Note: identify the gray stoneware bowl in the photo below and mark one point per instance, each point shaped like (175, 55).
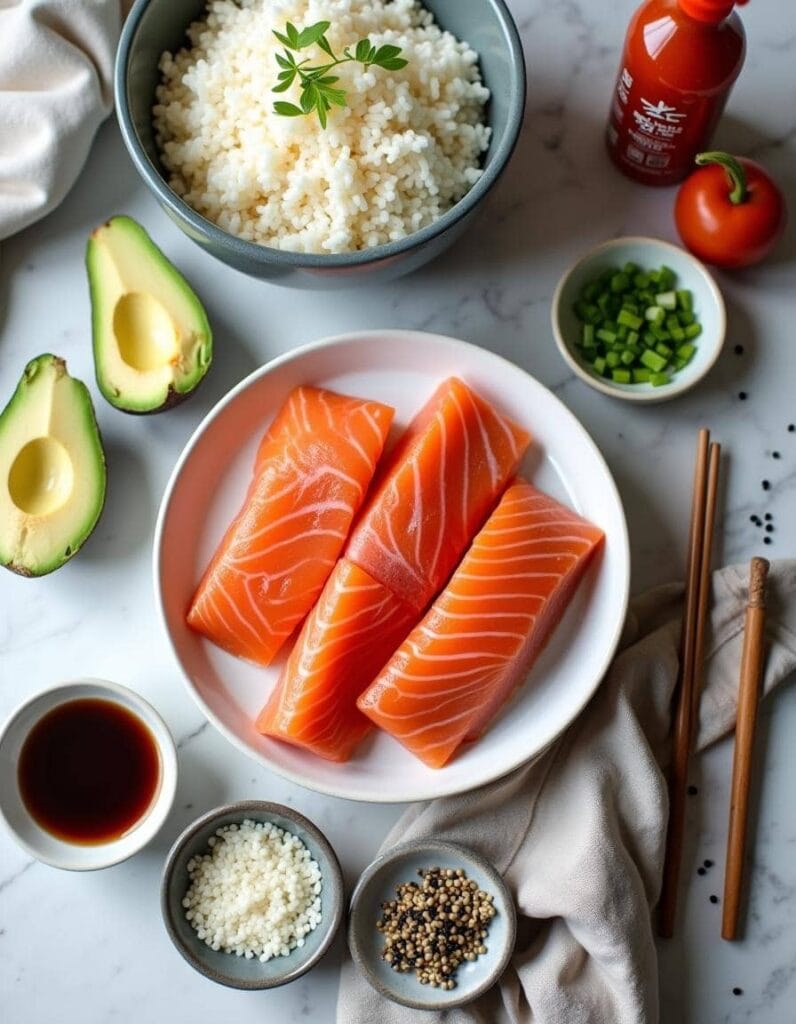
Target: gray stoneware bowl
(226, 968)
(157, 25)
(377, 885)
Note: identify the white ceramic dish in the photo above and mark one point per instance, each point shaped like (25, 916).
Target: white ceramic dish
(401, 368)
(649, 253)
(49, 848)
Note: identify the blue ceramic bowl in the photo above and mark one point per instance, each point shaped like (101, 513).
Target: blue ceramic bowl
(157, 25)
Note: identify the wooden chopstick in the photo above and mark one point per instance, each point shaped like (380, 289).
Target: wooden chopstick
(746, 721)
(683, 727)
(711, 498)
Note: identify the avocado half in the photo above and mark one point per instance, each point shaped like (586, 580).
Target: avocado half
(52, 469)
(152, 340)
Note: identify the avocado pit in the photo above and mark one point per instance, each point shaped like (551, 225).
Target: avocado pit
(41, 477)
(145, 332)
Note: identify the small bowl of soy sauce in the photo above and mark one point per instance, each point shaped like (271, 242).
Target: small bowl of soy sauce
(88, 772)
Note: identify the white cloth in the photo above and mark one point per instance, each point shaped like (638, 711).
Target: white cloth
(579, 834)
(56, 72)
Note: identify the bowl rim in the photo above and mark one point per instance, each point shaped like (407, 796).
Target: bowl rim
(496, 880)
(160, 808)
(200, 228)
(676, 387)
(331, 872)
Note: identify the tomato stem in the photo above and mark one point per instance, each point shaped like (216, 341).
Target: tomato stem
(735, 173)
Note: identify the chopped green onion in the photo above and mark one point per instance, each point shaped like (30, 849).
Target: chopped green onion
(685, 300)
(637, 327)
(686, 352)
(653, 361)
(628, 319)
(655, 315)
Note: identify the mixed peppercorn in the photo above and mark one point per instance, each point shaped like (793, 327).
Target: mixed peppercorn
(433, 927)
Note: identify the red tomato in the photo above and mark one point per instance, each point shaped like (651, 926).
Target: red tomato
(729, 212)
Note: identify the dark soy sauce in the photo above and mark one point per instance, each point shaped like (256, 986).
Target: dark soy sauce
(88, 771)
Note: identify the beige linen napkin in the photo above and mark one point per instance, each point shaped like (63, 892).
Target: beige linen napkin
(56, 69)
(579, 833)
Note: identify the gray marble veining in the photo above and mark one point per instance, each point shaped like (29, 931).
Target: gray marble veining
(91, 949)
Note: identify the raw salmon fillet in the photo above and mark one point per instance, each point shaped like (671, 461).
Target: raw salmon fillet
(350, 633)
(480, 637)
(444, 477)
(311, 474)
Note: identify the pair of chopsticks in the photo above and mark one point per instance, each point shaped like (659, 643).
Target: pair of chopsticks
(700, 550)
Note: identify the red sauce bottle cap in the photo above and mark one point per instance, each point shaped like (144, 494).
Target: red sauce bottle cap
(712, 11)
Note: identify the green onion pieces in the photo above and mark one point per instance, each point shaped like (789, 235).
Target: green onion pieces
(637, 327)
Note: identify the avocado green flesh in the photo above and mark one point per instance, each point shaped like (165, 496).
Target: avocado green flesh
(52, 469)
(152, 340)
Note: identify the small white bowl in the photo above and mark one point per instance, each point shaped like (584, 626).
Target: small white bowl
(28, 833)
(648, 253)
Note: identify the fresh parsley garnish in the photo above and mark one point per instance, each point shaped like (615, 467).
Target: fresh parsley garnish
(318, 90)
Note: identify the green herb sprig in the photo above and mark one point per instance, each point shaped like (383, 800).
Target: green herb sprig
(318, 90)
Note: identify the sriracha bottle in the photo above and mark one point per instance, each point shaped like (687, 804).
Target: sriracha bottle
(680, 60)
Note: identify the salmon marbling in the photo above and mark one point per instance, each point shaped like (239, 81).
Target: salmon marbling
(479, 639)
(311, 475)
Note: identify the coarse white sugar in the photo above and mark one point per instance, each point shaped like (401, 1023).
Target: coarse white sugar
(257, 892)
(404, 149)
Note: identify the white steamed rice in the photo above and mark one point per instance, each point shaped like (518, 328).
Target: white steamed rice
(406, 147)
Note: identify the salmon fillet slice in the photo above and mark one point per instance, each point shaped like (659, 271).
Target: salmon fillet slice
(311, 474)
(349, 635)
(442, 481)
(483, 633)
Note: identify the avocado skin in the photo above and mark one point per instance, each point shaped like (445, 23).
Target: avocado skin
(121, 222)
(173, 399)
(32, 368)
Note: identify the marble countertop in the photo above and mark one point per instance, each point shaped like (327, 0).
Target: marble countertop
(91, 948)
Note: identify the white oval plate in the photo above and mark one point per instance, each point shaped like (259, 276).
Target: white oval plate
(401, 368)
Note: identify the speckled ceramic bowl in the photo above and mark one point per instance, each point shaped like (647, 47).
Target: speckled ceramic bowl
(377, 885)
(226, 968)
(157, 25)
(648, 253)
